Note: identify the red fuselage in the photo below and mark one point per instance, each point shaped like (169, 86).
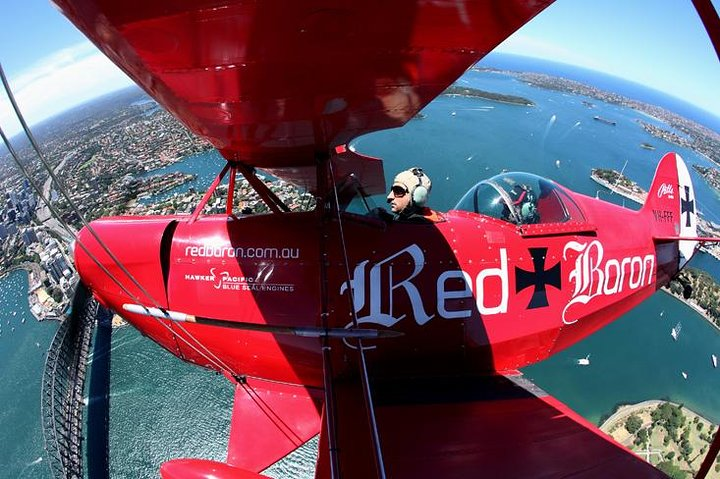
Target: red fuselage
(471, 294)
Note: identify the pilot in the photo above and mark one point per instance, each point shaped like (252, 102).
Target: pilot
(524, 201)
(408, 197)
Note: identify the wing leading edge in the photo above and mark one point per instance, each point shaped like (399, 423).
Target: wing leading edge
(272, 83)
(473, 427)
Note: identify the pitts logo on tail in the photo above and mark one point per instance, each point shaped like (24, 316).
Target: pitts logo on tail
(369, 286)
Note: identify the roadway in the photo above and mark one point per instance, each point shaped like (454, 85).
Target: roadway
(43, 213)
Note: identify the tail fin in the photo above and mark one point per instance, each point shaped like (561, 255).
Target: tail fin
(671, 203)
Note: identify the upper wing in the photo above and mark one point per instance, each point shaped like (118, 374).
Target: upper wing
(273, 82)
(459, 428)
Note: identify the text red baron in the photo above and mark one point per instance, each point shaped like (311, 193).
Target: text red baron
(592, 277)
(381, 274)
(252, 252)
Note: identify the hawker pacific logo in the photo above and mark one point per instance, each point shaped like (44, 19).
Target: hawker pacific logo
(226, 281)
(376, 289)
(592, 277)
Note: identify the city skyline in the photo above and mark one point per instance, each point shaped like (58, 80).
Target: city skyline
(48, 60)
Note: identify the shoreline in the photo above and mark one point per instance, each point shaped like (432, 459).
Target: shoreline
(624, 410)
(659, 445)
(693, 306)
(618, 190)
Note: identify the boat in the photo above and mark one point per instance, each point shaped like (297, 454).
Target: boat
(584, 361)
(647, 146)
(676, 331)
(684, 374)
(604, 120)
(714, 360)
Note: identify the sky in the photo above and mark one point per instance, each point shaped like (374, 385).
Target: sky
(662, 44)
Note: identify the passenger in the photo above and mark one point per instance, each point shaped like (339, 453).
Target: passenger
(524, 200)
(408, 197)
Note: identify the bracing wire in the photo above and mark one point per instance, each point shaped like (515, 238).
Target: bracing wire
(208, 355)
(112, 277)
(363, 363)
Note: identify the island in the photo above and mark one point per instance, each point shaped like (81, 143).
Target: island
(619, 183)
(671, 437)
(486, 95)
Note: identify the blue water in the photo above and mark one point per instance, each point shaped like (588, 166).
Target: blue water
(205, 165)
(162, 408)
(23, 348)
(603, 81)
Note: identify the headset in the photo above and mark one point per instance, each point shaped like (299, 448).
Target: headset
(419, 193)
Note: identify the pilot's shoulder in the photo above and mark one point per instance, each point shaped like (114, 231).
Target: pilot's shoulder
(433, 216)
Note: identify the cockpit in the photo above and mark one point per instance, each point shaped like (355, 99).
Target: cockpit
(522, 199)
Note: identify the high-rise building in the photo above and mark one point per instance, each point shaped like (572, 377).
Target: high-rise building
(29, 237)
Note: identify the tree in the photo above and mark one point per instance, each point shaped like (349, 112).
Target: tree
(633, 423)
(672, 470)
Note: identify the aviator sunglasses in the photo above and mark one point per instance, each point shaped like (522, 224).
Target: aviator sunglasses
(398, 191)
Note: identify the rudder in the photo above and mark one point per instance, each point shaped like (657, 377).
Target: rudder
(671, 203)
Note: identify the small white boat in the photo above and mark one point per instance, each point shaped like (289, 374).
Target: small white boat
(662, 313)
(676, 331)
(684, 374)
(584, 361)
(714, 360)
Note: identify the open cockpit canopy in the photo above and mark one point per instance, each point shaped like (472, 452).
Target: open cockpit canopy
(521, 198)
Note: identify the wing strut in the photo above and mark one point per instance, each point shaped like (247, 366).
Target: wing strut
(367, 393)
(710, 19)
(330, 408)
(709, 457)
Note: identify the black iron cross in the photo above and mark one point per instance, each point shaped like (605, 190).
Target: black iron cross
(538, 278)
(687, 206)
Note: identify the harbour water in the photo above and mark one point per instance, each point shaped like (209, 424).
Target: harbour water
(162, 408)
(23, 347)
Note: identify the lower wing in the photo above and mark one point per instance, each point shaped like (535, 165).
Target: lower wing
(500, 426)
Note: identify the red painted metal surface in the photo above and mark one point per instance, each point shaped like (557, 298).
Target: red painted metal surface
(459, 428)
(472, 295)
(269, 421)
(204, 469)
(274, 82)
(468, 290)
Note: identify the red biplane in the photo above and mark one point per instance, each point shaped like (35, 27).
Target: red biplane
(399, 344)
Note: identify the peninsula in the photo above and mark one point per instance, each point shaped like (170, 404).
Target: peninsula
(667, 435)
(704, 293)
(619, 183)
(710, 175)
